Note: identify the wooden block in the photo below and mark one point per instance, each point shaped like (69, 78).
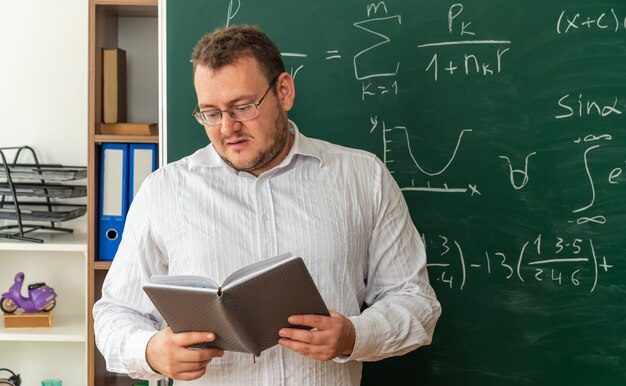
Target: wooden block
(129, 128)
(24, 320)
(98, 86)
(114, 85)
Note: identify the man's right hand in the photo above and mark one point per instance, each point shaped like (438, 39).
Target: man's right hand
(167, 354)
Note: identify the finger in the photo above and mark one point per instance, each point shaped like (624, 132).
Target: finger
(195, 366)
(193, 355)
(185, 339)
(306, 336)
(190, 375)
(302, 348)
(189, 367)
(191, 370)
(308, 350)
(314, 321)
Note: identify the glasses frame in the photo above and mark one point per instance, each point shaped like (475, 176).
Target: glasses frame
(198, 113)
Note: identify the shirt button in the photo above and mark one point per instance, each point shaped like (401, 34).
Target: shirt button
(273, 354)
(264, 218)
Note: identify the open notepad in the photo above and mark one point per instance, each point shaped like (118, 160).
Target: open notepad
(247, 310)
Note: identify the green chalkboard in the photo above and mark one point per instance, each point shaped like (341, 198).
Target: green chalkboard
(504, 124)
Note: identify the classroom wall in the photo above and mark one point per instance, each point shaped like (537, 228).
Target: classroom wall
(43, 80)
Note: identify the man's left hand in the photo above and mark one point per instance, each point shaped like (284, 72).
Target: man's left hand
(328, 337)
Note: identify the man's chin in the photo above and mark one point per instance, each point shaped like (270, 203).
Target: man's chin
(241, 166)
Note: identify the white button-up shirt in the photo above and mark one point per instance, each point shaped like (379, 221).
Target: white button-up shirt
(337, 208)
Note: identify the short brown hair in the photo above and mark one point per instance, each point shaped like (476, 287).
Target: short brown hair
(226, 45)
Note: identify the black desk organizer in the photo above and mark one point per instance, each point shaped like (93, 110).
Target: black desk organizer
(42, 181)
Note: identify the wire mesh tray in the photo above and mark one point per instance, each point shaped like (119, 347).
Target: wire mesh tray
(35, 211)
(45, 172)
(44, 190)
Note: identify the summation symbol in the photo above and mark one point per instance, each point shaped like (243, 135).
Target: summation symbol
(384, 39)
(368, 67)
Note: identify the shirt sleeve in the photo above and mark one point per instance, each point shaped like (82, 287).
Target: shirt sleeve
(402, 307)
(124, 318)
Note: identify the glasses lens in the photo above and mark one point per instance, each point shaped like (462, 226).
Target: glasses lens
(212, 117)
(238, 113)
(200, 118)
(243, 112)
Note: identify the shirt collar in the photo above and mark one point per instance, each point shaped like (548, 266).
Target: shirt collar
(303, 146)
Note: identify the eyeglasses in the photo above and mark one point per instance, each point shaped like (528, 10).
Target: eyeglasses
(239, 113)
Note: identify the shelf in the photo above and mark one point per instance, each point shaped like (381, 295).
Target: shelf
(102, 265)
(101, 138)
(46, 172)
(127, 3)
(64, 329)
(52, 242)
(132, 8)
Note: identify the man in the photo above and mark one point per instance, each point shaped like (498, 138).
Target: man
(260, 189)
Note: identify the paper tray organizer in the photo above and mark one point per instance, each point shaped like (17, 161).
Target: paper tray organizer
(19, 180)
(44, 190)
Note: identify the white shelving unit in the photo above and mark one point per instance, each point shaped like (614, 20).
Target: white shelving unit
(65, 329)
(59, 351)
(53, 242)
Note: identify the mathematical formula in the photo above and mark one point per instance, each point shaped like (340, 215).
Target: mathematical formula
(560, 261)
(570, 22)
(486, 63)
(464, 53)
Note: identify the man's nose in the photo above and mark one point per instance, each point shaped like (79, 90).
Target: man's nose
(229, 124)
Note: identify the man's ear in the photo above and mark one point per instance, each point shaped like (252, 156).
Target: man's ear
(285, 91)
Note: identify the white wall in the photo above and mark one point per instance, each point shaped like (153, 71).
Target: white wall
(43, 80)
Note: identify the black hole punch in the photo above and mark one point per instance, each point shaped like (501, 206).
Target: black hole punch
(111, 234)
